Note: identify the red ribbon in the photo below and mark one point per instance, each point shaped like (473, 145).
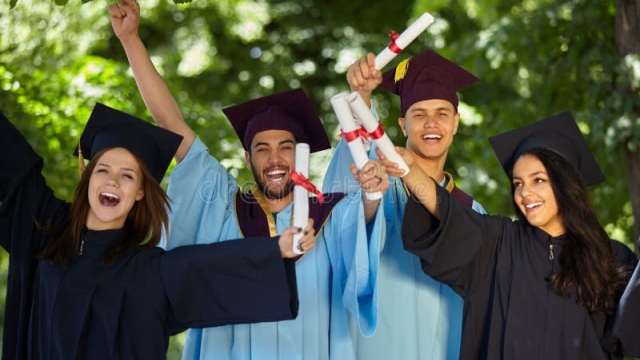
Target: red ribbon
(301, 180)
(363, 133)
(393, 47)
(355, 134)
(377, 133)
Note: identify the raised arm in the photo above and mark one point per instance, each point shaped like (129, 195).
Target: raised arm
(125, 19)
(25, 198)
(363, 77)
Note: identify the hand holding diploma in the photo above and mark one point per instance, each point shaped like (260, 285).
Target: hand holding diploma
(372, 177)
(363, 77)
(352, 136)
(301, 189)
(363, 113)
(306, 240)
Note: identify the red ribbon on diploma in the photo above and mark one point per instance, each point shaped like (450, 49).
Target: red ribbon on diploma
(301, 180)
(355, 134)
(393, 47)
(377, 133)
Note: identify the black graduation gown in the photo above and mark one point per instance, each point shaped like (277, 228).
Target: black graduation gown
(625, 336)
(500, 267)
(126, 309)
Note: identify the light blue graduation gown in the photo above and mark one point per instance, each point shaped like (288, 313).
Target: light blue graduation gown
(419, 318)
(337, 276)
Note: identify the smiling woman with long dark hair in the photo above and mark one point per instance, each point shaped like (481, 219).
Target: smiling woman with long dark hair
(86, 280)
(543, 287)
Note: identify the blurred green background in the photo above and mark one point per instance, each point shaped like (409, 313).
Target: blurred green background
(535, 58)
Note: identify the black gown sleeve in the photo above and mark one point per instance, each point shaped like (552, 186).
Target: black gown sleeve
(228, 282)
(460, 249)
(24, 195)
(25, 199)
(624, 337)
(623, 256)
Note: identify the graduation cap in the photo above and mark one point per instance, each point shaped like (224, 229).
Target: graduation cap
(558, 133)
(424, 77)
(108, 127)
(290, 110)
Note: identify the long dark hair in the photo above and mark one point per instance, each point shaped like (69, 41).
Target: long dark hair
(587, 263)
(145, 221)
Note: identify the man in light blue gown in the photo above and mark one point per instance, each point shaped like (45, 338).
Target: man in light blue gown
(418, 317)
(336, 277)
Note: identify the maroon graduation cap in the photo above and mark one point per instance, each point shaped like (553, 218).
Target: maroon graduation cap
(424, 77)
(291, 110)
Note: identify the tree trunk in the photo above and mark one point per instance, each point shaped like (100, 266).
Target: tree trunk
(628, 42)
(628, 26)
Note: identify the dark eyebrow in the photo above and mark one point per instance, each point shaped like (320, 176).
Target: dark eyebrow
(264, 143)
(288, 141)
(109, 166)
(441, 108)
(530, 175)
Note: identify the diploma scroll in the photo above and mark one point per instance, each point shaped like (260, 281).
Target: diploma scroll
(300, 195)
(373, 127)
(401, 41)
(350, 130)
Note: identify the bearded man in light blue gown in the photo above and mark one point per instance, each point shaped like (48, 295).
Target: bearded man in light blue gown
(335, 278)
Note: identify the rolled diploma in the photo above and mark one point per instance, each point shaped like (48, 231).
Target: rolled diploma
(356, 147)
(362, 112)
(404, 39)
(300, 195)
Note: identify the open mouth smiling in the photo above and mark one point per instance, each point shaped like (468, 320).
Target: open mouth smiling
(108, 199)
(276, 175)
(533, 205)
(432, 137)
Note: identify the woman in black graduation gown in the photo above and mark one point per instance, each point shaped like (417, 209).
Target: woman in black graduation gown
(542, 287)
(86, 280)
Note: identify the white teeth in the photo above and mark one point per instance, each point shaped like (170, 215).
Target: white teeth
(276, 175)
(432, 137)
(110, 195)
(531, 206)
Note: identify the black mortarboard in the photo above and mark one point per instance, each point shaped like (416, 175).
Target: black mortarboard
(290, 110)
(108, 127)
(559, 133)
(424, 77)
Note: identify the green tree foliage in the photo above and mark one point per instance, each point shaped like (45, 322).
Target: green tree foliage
(535, 59)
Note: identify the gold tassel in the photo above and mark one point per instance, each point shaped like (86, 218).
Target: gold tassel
(80, 159)
(401, 70)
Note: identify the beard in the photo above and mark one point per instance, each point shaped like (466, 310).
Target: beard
(273, 194)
